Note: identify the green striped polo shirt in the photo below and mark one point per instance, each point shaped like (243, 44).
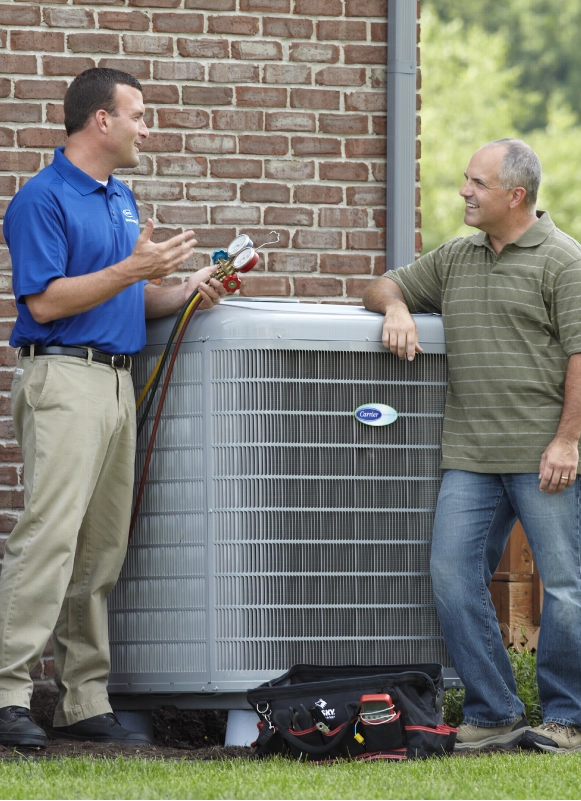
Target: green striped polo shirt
(511, 322)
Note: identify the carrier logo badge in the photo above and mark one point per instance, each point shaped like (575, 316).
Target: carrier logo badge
(375, 414)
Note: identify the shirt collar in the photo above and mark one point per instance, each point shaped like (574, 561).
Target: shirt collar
(532, 237)
(78, 179)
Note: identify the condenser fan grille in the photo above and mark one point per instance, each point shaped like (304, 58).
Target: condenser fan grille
(305, 534)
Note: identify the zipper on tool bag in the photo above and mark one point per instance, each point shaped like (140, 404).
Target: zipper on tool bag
(297, 690)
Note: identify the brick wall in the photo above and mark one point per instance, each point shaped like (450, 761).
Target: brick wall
(264, 114)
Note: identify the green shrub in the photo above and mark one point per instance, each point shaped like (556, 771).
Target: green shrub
(524, 667)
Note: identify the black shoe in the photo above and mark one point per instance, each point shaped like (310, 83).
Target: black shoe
(101, 729)
(18, 728)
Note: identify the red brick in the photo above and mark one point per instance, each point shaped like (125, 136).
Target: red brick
(41, 137)
(366, 101)
(14, 64)
(311, 287)
(379, 171)
(189, 166)
(316, 193)
(8, 475)
(234, 73)
(370, 195)
(234, 120)
(7, 185)
(68, 18)
(264, 193)
(19, 15)
(289, 169)
(350, 124)
(355, 287)
(158, 190)
(215, 192)
(366, 240)
(203, 48)
(183, 215)
(64, 65)
(380, 125)
(361, 148)
(341, 76)
(41, 41)
(7, 522)
(378, 77)
(160, 93)
(292, 262)
(318, 240)
(178, 71)
(287, 73)
(343, 171)
(214, 237)
(93, 43)
(254, 50)
(291, 216)
(268, 6)
(207, 95)
(148, 3)
(7, 307)
(6, 378)
(291, 121)
(380, 217)
(5, 87)
(123, 20)
(287, 28)
(379, 265)
(211, 143)
(265, 286)
(6, 429)
(315, 98)
(7, 137)
(236, 25)
(342, 218)
(40, 90)
(178, 23)
(235, 215)
(176, 118)
(235, 168)
(211, 5)
(366, 8)
(148, 45)
(312, 52)
(365, 54)
(315, 146)
(55, 113)
(20, 112)
(261, 97)
(343, 30)
(11, 499)
(162, 143)
(5, 410)
(345, 263)
(264, 145)
(378, 31)
(319, 8)
(149, 117)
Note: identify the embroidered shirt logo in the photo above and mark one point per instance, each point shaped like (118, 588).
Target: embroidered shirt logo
(128, 214)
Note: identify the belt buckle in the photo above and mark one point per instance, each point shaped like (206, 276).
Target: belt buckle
(120, 361)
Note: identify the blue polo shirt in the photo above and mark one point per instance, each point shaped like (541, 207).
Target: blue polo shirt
(63, 223)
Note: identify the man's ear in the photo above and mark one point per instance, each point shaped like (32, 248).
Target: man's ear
(518, 195)
(102, 120)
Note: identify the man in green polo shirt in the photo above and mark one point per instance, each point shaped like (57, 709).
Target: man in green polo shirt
(510, 300)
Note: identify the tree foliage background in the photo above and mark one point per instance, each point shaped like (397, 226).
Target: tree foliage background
(493, 69)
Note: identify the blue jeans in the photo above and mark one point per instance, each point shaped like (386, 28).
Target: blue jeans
(474, 517)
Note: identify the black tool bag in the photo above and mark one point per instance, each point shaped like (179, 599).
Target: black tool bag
(365, 712)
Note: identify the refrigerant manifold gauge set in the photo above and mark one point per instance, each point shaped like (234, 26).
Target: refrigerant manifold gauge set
(240, 257)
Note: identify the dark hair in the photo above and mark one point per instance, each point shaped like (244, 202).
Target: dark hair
(91, 90)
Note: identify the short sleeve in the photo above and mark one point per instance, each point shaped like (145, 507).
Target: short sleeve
(421, 282)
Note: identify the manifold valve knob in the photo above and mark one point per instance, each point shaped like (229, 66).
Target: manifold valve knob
(231, 283)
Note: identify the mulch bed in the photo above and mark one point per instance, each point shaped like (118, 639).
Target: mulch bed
(179, 734)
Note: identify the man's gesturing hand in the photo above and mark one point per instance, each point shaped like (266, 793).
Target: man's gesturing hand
(157, 259)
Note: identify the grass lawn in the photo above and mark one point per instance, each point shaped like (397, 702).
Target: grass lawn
(523, 775)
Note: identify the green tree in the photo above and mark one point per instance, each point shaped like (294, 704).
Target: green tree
(469, 97)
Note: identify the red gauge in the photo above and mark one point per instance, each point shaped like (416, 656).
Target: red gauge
(245, 260)
(231, 283)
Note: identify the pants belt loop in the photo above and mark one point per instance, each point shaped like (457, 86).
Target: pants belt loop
(90, 356)
(32, 353)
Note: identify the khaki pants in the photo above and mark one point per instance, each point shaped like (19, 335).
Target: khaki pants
(75, 422)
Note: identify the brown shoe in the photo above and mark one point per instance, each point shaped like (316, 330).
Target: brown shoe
(553, 737)
(472, 737)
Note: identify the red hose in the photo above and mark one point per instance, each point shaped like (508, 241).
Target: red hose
(158, 416)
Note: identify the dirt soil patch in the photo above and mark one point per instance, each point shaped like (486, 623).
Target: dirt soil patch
(179, 734)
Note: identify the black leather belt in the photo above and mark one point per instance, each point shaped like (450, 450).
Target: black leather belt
(117, 360)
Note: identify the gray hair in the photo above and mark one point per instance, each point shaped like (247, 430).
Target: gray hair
(520, 167)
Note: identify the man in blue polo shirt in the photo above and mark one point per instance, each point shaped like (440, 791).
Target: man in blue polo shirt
(81, 273)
